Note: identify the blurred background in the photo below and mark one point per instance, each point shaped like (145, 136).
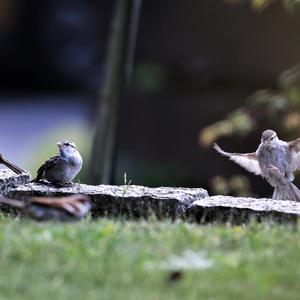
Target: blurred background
(204, 71)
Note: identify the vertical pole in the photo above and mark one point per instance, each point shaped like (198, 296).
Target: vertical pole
(119, 60)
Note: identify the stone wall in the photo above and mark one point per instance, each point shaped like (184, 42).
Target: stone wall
(134, 202)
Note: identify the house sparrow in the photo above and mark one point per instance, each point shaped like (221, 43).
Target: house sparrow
(61, 169)
(10, 165)
(275, 160)
(69, 208)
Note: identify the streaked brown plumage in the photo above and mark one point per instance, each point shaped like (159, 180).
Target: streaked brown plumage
(69, 208)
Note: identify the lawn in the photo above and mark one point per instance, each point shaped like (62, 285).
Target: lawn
(108, 259)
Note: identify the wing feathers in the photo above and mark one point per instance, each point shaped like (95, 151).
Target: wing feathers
(47, 164)
(246, 160)
(294, 146)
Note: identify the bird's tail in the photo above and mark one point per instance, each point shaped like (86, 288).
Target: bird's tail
(10, 165)
(286, 191)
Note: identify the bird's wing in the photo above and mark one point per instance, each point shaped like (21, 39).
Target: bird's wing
(294, 146)
(46, 165)
(246, 160)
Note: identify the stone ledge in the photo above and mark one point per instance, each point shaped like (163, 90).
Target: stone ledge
(9, 179)
(131, 201)
(255, 204)
(242, 209)
(192, 204)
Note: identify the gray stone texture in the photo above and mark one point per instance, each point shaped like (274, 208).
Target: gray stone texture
(130, 201)
(9, 179)
(133, 202)
(240, 210)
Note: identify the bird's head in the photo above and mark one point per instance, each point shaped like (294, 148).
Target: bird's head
(66, 148)
(268, 137)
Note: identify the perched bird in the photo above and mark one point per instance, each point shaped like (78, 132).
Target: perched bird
(10, 165)
(70, 208)
(275, 160)
(61, 169)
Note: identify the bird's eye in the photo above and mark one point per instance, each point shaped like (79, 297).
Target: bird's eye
(272, 138)
(67, 144)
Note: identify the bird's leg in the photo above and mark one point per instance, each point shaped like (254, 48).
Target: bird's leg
(41, 182)
(62, 184)
(58, 184)
(10, 165)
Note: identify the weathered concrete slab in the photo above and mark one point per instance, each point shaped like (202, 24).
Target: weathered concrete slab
(242, 209)
(131, 201)
(9, 179)
(192, 204)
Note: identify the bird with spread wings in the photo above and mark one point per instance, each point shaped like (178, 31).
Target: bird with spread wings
(275, 160)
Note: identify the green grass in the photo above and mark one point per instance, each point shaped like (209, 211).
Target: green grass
(122, 260)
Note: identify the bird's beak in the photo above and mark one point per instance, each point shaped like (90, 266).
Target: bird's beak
(59, 144)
